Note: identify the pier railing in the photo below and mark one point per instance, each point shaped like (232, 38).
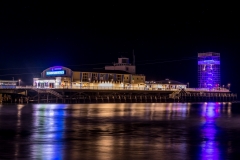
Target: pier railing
(208, 90)
(129, 88)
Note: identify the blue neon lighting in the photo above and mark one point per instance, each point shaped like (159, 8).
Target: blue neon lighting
(209, 70)
(56, 68)
(208, 62)
(50, 73)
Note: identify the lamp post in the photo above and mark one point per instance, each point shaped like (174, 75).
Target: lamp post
(187, 84)
(19, 82)
(229, 86)
(169, 84)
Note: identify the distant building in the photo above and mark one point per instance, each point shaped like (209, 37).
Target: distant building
(122, 65)
(208, 70)
(8, 84)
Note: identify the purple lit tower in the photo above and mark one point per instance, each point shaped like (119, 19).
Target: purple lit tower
(208, 70)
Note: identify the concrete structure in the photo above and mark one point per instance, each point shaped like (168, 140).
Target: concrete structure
(165, 85)
(209, 70)
(123, 65)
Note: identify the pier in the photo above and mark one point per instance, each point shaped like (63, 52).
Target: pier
(112, 95)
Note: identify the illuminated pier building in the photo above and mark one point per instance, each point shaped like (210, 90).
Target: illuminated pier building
(120, 75)
(208, 70)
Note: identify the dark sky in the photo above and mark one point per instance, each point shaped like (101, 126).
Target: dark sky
(167, 35)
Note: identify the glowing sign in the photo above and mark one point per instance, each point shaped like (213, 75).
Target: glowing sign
(52, 73)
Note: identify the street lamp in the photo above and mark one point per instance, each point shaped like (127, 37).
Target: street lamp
(188, 84)
(169, 84)
(229, 86)
(19, 82)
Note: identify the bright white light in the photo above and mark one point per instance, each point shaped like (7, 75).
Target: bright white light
(48, 73)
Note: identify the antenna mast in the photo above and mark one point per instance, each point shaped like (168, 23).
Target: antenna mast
(133, 58)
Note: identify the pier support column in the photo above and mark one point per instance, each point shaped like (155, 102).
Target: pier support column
(38, 97)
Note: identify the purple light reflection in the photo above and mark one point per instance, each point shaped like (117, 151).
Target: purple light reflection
(209, 146)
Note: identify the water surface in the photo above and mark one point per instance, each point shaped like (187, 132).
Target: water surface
(206, 131)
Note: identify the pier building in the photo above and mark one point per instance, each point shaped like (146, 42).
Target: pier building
(166, 84)
(209, 70)
(120, 75)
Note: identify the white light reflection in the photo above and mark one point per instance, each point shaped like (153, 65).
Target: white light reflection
(160, 111)
(19, 109)
(19, 115)
(105, 146)
(48, 134)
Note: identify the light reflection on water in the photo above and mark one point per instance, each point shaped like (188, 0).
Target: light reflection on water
(115, 131)
(209, 130)
(210, 147)
(48, 131)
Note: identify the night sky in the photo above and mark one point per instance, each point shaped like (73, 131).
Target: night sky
(166, 37)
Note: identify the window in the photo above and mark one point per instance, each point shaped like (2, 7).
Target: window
(124, 60)
(94, 76)
(119, 77)
(85, 77)
(102, 77)
(110, 77)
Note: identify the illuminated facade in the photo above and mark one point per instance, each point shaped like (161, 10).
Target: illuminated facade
(208, 70)
(165, 85)
(63, 77)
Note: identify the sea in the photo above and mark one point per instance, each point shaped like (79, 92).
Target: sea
(120, 131)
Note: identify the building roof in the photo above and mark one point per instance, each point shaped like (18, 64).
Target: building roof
(101, 70)
(9, 81)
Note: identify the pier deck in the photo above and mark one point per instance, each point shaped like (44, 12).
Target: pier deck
(111, 95)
